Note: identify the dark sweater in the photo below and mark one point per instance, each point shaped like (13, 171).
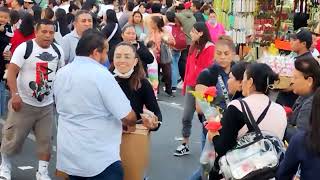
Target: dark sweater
(141, 97)
(107, 31)
(298, 154)
(199, 17)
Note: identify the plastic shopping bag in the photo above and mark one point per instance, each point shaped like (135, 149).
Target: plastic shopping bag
(207, 158)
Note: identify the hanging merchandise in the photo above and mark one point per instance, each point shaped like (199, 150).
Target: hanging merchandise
(243, 19)
(223, 10)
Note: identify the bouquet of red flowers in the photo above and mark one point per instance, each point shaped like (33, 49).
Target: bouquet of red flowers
(207, 102)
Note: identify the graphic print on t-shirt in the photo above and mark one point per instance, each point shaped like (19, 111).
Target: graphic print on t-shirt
(40, 87)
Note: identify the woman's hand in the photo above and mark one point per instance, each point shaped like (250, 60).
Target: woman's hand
(211, 135)
(149, 121)
(7, 55)
(129, 129)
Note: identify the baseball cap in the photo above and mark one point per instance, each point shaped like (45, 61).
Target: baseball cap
(303, 35)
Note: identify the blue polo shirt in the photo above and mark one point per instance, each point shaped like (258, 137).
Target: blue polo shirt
(90, 104)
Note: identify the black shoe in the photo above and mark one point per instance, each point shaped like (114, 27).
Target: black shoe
(182, 150)
(169, 93)
(174, 89)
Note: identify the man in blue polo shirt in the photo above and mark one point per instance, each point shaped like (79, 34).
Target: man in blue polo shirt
(92, 111)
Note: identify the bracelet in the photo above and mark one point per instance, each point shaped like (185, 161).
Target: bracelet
(16, 94)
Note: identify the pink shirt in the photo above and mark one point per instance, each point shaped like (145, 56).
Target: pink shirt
(275, 121)
(215, 31)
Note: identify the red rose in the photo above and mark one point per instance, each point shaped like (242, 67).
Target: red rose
(213, 126)
(211, 91)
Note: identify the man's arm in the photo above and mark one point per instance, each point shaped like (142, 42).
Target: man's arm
(14, 67)
(130, 119)
(16, 100)
(66, 49)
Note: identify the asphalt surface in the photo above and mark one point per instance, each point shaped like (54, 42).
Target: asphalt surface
(163, 165)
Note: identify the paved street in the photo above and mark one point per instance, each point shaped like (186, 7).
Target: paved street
(163, 165)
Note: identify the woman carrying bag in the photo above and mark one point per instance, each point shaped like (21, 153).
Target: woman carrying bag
(163, 40)
(269, 116)
(129, 73)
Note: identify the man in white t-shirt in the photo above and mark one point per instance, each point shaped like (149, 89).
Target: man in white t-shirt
(31, 106)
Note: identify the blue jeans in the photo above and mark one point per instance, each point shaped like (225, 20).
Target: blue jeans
(113, 172)
(175, 67)
(4, 98)
(197, 174)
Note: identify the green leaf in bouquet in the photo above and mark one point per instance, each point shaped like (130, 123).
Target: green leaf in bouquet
(198, 95)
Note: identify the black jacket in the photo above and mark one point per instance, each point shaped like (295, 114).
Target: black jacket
(4, 41)
(107, 31)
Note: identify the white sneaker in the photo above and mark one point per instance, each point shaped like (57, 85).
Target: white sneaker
(43, 176)
(180, 85)
(5, 173)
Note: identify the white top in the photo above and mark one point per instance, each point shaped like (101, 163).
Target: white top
(136, 8)
(275, 120)
(37, 73)
(90, 104)
(103, 9)
(65, 7)
(315, 53)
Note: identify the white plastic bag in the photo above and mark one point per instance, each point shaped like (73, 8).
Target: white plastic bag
(207, 158)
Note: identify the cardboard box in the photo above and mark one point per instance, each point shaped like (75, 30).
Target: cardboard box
(283, 83)
(134, 152)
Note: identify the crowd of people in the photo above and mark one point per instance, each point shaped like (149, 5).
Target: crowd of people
(97, 67)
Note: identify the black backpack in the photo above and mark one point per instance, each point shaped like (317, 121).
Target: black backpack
(30, 47)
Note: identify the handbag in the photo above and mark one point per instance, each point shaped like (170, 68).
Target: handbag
(256, 156)
(165, 53)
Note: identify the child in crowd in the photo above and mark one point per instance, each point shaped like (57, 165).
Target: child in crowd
(6, 33)
(153, 68)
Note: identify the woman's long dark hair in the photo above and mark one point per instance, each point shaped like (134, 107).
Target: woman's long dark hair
(158, 20)
(263, 76)
(313, 135)
(27, 25)
(138, 73)
(201, 43)
(61, 18)
(111, 16)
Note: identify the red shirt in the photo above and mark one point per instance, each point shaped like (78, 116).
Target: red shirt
(18, 38)
(318, 45)
(195, 64)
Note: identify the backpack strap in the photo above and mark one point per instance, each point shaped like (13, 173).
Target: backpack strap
(264, 113)
(28, 49)
(248, 115)
(55, 48)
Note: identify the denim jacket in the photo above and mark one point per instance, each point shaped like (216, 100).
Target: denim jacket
(299, 120)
